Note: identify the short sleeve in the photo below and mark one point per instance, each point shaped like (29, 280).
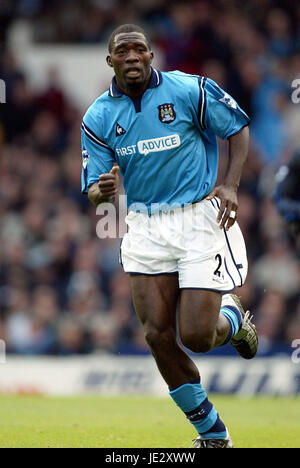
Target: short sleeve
(97, 157)
(219, 112)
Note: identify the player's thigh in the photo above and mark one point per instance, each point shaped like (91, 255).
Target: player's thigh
(198, 314)
(214, 259)
(155, 300)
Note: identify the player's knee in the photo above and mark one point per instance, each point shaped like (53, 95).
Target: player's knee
(159, 339)
(197, 342)
(205, 344)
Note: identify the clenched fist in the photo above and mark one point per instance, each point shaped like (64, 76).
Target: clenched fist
(108, 183)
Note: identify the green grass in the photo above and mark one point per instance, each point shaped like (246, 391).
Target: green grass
(131, 421)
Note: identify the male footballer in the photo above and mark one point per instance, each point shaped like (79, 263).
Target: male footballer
(184, 251)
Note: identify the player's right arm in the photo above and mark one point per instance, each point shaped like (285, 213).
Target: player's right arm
(99, 178)
(106, 189)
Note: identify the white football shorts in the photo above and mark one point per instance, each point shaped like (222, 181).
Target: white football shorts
(187, 241)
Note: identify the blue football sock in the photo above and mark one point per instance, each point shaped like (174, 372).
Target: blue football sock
(192, 400)
(234, 318)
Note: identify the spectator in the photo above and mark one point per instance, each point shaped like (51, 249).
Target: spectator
(277, 268)
(270, 318)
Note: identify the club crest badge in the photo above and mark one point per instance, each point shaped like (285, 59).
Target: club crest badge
(166, 113)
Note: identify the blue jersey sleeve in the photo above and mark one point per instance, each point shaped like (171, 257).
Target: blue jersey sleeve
(220, 113)
(97, 157)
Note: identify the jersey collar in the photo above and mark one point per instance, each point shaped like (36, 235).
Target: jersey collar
(154, 82)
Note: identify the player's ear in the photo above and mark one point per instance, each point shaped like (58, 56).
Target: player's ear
(151, 56)
(108, 61)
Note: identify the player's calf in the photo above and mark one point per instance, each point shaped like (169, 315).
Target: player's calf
(200, 325)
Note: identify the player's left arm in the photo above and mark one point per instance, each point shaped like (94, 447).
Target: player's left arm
(227, 191)
(224, 117)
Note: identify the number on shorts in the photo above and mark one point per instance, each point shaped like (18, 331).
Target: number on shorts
(217, 270)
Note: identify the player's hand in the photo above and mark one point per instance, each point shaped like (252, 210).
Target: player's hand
(108, 183)
(228, 205)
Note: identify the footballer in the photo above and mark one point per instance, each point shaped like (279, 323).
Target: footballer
(184, 250)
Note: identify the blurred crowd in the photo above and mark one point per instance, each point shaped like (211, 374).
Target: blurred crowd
(62, 290)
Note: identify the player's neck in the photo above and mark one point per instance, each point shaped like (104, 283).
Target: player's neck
(136, 90)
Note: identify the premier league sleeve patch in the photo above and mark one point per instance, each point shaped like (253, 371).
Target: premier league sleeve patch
(228, 101)
(166, 113)
(85, 159)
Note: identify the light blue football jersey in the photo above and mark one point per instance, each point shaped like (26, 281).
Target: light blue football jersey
(165, 142)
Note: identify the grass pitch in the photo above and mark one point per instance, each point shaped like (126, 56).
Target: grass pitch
(134, 422)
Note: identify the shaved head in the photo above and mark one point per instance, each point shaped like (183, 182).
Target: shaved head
(126, 28)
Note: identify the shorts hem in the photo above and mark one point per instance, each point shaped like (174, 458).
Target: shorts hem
(151, 274)
(209, 289)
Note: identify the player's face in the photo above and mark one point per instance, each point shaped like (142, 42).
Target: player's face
(131, 59)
